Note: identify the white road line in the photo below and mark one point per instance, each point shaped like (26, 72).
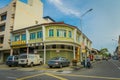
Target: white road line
(11, 77)
(116, 65)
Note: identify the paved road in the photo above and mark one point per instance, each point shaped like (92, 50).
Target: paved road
(102, 70)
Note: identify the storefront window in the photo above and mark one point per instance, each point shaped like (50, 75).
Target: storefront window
(32, 36)
(23, 36)
(39, 34)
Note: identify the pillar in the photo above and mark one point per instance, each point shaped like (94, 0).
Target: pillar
(27, 50)
(44, 53)
(74, 52)
(11, 52)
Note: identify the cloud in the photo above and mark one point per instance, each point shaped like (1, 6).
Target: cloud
(64, 9)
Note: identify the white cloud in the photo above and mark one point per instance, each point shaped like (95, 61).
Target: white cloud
(64, 9)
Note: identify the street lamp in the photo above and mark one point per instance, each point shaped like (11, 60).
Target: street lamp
(83, 16)
(82, 31)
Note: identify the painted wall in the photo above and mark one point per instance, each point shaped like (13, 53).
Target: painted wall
(27, 15)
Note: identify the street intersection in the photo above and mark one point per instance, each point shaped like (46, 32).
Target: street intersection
(102, 70)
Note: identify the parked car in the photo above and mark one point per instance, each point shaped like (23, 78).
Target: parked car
(58, 62)
(12, 60)
(115, 58)
(29, 59)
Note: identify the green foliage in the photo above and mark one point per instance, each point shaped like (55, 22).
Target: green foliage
(104, 52)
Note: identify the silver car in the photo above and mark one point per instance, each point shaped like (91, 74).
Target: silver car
(58, 62)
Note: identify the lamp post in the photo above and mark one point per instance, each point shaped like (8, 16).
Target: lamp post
(82, 33)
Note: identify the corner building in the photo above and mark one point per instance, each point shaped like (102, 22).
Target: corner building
(51, 40)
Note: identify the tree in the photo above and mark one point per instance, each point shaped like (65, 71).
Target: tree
(104, 52)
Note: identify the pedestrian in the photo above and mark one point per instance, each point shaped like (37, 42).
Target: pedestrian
(84, 62)
(88, 62)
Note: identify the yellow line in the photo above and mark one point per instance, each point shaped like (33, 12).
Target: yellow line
(28, 77)
(55, 76)
(89, 76)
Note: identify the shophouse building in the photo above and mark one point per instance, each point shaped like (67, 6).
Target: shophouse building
(117, 50)
(18, 15)
(51, 40)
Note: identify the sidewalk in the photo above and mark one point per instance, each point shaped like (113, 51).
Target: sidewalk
(44, 68)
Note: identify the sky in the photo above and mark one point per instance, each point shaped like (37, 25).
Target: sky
(101, 25)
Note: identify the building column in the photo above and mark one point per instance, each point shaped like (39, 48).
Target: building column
(75, 33)
(44, 53)
(74, 52)
(43, 30)
(27, 50)
(11, 51)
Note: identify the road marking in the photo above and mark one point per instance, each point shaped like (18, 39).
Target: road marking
(11, 77)
(48, 74)
(56, 76)
(116, 65)
(100, 77)
(27, 77)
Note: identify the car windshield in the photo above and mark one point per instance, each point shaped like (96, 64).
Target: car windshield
(10, 58)
(23, 56)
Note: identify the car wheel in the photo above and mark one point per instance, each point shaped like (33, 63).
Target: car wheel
(41, 62)
(10, 65)
(31, 65)
(68, 64)
(61, 65)
(50, 66)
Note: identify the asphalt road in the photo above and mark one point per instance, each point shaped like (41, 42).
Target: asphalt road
(101, 70)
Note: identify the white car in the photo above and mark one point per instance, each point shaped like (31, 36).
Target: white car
(29, 59)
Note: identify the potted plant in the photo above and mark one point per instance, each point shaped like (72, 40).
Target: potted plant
(74, 62)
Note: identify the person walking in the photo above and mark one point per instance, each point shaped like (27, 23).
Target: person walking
(88, 62)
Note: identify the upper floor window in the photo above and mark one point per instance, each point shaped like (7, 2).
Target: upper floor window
(2, 27)
(3, 17)
(23, 37)
(51, 33)
(70, 34)
(39, 34)
(1, 39)
(32, 36)
(17, 37)
(61, 33)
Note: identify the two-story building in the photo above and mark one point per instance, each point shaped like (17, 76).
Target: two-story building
(50, 40)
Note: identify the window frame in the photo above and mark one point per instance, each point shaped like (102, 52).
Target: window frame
(70, 34)
(2, 27)
(61, 33)
(39, 34)
(23, 37)
(17, 38)
(32, 35)
(51, 32)
(3, 16)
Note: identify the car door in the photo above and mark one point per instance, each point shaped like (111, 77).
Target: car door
(63, 61)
